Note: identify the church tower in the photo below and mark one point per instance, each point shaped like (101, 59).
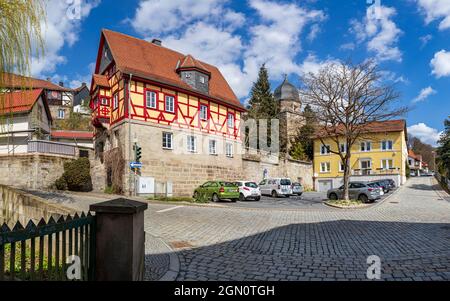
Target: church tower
(289, 108)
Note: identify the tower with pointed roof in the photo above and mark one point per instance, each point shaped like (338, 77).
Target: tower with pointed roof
(289, 108)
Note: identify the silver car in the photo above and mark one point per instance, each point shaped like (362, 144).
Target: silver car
(357, 191)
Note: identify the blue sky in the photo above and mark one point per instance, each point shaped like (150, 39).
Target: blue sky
(408, 38)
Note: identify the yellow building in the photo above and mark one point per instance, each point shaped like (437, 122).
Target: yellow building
(380, 153)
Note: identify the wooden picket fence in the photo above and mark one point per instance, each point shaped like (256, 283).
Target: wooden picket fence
(39, 252)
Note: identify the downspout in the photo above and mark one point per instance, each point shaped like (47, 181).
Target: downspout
(130, 177)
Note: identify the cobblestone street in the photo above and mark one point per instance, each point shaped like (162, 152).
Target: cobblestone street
(409, 231)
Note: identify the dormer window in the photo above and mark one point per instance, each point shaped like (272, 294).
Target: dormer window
(194, 73)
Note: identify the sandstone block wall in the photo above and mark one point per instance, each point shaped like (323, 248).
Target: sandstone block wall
(35, 171)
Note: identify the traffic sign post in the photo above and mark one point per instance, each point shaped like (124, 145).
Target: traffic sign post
(137, 165)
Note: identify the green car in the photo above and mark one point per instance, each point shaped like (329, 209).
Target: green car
(217, 191)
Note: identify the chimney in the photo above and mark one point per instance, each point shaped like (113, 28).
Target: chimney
(157, 42)
(83, 84)
(61, 84)
(49, 79)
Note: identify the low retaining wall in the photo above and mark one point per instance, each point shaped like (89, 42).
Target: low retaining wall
(35, 171)
(17, 205)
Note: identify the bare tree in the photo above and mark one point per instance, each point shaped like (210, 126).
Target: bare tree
(347, 98)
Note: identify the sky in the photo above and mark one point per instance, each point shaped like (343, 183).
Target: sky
(409, 39)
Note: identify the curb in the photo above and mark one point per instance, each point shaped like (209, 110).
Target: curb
(174, 265)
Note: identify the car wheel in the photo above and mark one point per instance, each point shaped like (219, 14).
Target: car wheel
(274, 194)
(333, 196)
(241, 197)
(215, 198)
(196, 196)
(363, 198)
(258, 199)
(234, 200)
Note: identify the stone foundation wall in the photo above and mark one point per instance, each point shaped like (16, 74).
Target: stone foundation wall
(184, 170)
(35, 171)
(253, 169)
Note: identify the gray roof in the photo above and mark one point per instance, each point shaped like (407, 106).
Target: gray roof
(286, 91)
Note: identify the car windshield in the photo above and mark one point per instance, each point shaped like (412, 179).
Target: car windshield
(251, 185)
(285, 182)
(373, 185)
(227, 184)
(297, 184)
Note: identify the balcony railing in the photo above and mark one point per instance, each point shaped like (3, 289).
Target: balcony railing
(378, 171)
(49, 147)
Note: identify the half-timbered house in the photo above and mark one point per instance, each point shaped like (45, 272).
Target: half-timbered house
(179, 110)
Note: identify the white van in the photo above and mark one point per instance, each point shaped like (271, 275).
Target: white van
(276, 187)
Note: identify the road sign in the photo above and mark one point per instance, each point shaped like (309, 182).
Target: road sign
(136, 165)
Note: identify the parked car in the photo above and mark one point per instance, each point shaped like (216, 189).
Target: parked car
(387, 184)
(217, 191)
(357, 190)
(276, 187)
(248, 191)
(377, 185)
(297, 189)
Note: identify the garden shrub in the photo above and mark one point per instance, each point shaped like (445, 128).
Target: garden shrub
(76, 176)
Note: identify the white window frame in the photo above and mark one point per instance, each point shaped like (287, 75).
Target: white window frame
(151, 99)
(385, 145)
(169, 103)
(325, 167)
(167, 138)
(191, 144)
(213, 147)
(202, 79)
(365, 143)
(203, 112)
(61, 116)
(365, 160)
(229, 150)
(341, 166)
(104, 101)
(343, 148)
(115, 101)
(325, 147)
(388, 166)
(230, 121)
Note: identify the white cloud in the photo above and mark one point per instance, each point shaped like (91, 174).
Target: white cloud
(424, 94)
(313, 65)
(161, 17)
(207, 30)
(425, 39)
(59, 29)
(425, 133)
(440, 64)
(436, 10)
(380, 32)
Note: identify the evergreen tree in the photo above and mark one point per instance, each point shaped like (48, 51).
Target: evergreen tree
(444, 150)
(303, 144)
(262, 104)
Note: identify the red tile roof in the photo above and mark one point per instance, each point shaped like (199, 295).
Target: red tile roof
(158, 63)
(100, 80)
(72, 135)
(190, 62)
(414, 155)
(19, 101)
(372, 127)
(10, 80)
